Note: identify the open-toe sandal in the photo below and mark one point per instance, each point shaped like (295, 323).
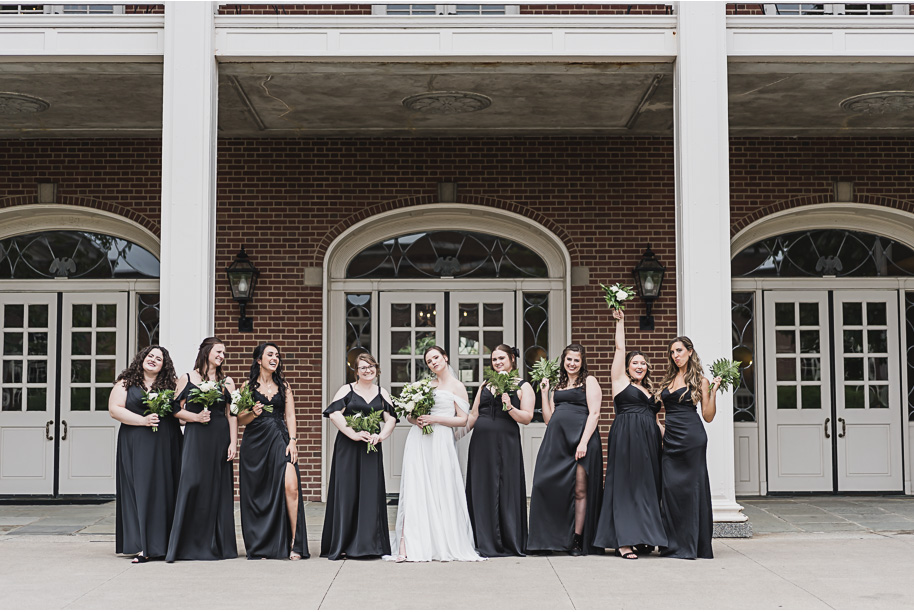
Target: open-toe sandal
(631, 555)
(140, 559)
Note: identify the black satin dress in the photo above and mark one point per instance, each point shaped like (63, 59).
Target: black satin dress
(631, 495)
(204, 524)
(496, 486)
(686, 490)
(355, 519)
(148, 469)
(552, 498)
(265, 524)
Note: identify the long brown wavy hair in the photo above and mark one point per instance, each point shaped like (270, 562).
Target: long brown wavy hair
(201, 364)
(693, 374)
(254, 374)
(133, 374)
(646, 382)
(583, 373)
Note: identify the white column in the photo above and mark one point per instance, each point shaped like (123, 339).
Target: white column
(703, 220)
(189, 111)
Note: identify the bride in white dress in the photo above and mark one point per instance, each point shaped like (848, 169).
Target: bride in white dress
(433, 523)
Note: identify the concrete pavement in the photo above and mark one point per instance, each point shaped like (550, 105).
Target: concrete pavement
(814, 552)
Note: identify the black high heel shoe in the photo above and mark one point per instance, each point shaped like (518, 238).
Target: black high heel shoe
(577, 546)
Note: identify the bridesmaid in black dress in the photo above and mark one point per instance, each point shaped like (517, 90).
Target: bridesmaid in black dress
(686, 489)
(204, 525)
(568, 479)
(148, 462)
(272, 508)
(496, 486)
(355, 520)
(630, 517)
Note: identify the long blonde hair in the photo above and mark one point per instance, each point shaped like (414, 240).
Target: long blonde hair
(693, 373)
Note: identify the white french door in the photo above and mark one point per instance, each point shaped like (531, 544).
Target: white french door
(833, 388)
(28, 349)
(93, 352)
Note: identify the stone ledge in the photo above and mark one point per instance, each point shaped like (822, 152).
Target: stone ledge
(732, 530)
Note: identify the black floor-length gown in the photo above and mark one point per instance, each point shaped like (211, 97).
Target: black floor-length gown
(204, 525)
(496, 486)
(631, 495)
(355, 519)
(686, 489)
(552, 497)
(262, 462)
(148, 469)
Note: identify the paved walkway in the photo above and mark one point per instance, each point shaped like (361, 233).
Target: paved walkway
(809, 552)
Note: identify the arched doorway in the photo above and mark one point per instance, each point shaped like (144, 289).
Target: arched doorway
(823, 298)
(76, 299)
(465, 277)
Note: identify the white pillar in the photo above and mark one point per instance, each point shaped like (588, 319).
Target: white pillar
(703, 220)
(189, 111)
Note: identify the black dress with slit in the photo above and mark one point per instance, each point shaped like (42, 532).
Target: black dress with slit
(355, 519)
(496, 486)
(552, 497)
(148, 469)
(631, 494)
(204, 524)
(265, 524)
(686, 489)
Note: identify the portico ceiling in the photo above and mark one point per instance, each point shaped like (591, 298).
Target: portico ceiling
(352, 98)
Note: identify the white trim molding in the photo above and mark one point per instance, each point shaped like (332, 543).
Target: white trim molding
(29, 218)
(131, 37)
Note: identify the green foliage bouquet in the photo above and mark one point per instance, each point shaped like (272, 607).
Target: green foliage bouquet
(370, 423)
(501, 382)
(158, 402)
(616, 295)
(207, 393)
(545, 369)
(728, 370)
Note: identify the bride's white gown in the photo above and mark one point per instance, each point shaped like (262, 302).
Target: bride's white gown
(432, 515)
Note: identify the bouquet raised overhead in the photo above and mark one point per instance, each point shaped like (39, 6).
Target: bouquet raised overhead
(616, 295)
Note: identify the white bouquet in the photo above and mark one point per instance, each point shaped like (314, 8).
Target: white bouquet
(415, 400)
(616, 295)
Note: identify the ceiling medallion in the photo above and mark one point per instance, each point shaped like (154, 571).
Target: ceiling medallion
(21, 104)
(880, 103)
(447, 102)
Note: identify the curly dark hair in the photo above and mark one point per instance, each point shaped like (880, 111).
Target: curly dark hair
(583, 373)
(254, 374)
(201, 364)
(133, 374)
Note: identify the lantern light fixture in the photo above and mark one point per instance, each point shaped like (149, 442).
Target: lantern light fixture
(242, 276)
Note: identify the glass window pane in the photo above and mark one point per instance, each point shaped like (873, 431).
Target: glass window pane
(399, 371)
(106, 315)
(469, 315)
(420, 369)
(853, 340)
(425, 315)
(401, 343)
(785, 341)
(38, 371)
(787, 369)
(809, 341)
(784, 313)
(810, 369)
(101, 397)
(37, 400)
(13, 315)
(787, 396)
(12, 399)
(853, 396)
(853, 368)
(38, 315)
(879, 396)
(469, 343)
(852, 313)
(490, 340)
(148, 319)
(80, 371)
(105, 343)
(878, 368)
(12, 372)
(12, 343)
(468, 371)
(81, 343)
(875, 313)
(493, 315)
(811, 397)
(809, 314)
(877, 341)
(424, 341)
(82, 315)
(104, 371)
(80, 397)
(38, 343)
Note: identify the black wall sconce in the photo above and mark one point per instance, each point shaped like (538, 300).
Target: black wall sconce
(242, 275)
(648, 279)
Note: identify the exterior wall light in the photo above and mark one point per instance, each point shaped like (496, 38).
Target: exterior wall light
(242, 275)
(648, 279)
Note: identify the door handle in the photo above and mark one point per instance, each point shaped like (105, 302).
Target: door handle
(843, 427)
(65, 430)
(827, 421)
(47, 430)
